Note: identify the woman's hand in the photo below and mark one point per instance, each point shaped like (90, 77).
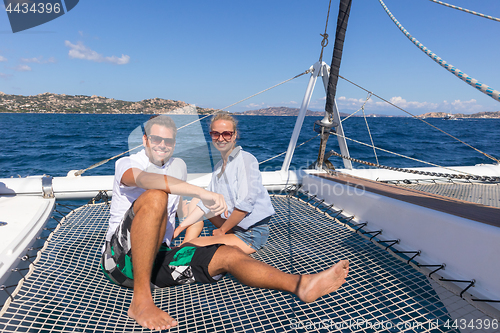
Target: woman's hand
(218, 232)
(178, 231)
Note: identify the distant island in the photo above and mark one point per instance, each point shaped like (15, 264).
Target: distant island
(486, 115)
(62, 103)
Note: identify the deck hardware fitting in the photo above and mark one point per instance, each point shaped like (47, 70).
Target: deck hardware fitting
(376, 232)
(471, 283)
(361, 225)
(442, 266)
(417, 253)
(392, 241)
(320, 202)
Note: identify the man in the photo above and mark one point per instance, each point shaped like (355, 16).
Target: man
(136, 253)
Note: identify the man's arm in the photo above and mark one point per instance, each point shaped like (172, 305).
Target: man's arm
(152, 181)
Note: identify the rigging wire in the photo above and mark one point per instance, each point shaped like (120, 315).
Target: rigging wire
(303, 143)
(81, 171)
(368, 128)
(422, 120)
(495, 94)
(466, 10)
(466, 176)
(324, 42)
(361, 108)
(244, 99)
(393, 153)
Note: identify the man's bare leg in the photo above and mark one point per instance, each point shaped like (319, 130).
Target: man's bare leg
(146, 234)
(257, 274)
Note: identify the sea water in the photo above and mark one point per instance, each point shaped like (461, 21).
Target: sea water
(54, 144)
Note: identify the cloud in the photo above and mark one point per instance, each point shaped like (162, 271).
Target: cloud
(403, 103)
(39, 60)
(5, 76)
(22, 68)
(80, 51)
(256, 106)
(470, 106)
(414, 107)
(2, 58)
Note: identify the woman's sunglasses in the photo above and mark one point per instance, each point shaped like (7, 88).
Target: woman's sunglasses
(156, 140)
(226, 135)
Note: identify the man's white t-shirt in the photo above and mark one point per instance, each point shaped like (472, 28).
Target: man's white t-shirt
(124, 196)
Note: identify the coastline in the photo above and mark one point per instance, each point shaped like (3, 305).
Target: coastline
(49, 103)
(235, 114)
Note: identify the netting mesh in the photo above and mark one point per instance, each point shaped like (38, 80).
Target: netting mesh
(486, 194)
(68, 293)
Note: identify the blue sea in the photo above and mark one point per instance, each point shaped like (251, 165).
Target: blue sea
(53, 144)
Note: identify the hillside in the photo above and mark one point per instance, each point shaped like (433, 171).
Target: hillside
(55, 103)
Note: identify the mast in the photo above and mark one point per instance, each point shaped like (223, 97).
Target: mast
(332, 117)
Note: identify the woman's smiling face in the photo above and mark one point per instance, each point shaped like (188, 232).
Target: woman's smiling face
(223, 144)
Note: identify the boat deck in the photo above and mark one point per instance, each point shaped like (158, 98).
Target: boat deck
(67, 292)
(485, 194)
(456, 199)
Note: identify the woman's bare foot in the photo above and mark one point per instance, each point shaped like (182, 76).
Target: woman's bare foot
(311, 287)
(148, 315)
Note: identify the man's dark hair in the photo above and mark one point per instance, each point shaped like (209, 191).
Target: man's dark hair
(161, 120)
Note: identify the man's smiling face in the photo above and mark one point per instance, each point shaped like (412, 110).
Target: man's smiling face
(159, 144)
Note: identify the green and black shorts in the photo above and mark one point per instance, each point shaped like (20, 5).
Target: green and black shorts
(172, 266)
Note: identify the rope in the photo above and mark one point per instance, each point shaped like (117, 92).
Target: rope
(272, 158)
(418, 172)
(81, 171)
(324, 42)
(361, 108)
(466, 10)
(397, 154)
(368, 128)
(452, 69)
(244, 99)
(422, 120)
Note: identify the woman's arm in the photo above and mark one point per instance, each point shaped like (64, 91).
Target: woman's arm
(233, 220)
(192, 218)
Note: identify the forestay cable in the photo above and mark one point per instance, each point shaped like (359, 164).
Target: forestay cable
(495, 94)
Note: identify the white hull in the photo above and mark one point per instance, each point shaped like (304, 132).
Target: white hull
(468, 248)
(25, 217)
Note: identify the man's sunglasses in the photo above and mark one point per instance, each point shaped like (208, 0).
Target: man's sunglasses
(156, 140)
(226, 135)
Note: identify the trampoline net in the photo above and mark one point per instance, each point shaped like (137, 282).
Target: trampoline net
(67, 292)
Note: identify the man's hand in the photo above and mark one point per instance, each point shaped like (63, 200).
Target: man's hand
(215, 202)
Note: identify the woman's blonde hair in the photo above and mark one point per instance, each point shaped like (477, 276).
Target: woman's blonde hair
(225, 116)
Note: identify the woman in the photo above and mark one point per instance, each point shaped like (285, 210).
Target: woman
(238, 178)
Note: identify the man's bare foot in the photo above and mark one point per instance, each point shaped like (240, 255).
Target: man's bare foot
(148, 315)
(311, 287)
